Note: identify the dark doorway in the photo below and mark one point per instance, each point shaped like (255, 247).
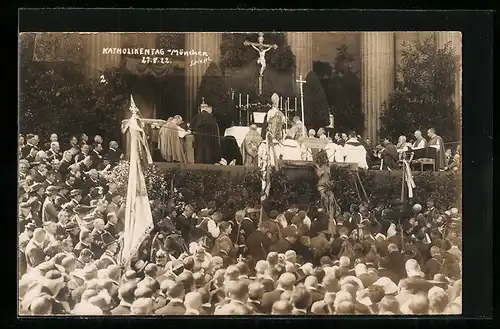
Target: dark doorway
(171, 98)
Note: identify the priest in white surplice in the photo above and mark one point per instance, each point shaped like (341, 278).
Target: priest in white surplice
(355, 152)
(334, 151)
(291, 150)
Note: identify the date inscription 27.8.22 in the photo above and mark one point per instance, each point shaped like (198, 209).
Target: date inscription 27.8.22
(155, 60)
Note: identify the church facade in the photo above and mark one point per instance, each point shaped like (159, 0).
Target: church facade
(376, 54)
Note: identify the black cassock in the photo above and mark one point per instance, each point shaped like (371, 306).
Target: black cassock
(230, 150)
(206, 138)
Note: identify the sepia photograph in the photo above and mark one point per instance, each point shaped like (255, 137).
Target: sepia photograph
(239, 173)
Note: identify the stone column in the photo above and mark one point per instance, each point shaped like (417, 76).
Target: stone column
(455, 41)
(301, 45)
(378, 75)
(208, 42)
(96, 61)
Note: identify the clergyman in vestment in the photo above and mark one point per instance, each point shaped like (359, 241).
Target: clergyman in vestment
(170, 141)
(275, 119)
(250, 147)
(206, 136)
(436, 142)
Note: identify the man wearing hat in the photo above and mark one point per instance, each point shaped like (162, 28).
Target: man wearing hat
(76, 197)
(62, 196)
(25, 215)
(73, 232)
(27, 234)
(110, 249)
(50, 179)
(49, 211)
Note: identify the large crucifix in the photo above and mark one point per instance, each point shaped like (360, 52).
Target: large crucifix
(262, 48)
(301, 82)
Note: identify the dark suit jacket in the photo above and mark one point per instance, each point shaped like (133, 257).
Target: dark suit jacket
(280, 246)
(25, 151)
(113, 157)
(269, 298)
(172, 308)
(121, 310)
(423, 249)
(336, 246)
(97, 159)
(34, 254)
(316, 296)
(388, 274)
(433, 266)
(397, 264)
(256, 306)
(185, 225)
(258, 245)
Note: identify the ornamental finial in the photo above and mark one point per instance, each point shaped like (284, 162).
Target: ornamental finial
(133, 108)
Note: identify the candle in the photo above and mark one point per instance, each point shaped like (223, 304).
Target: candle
(281, 103)
(240, 99)
(295, 104)
(232, 94)
(248, 99)
(287, 103)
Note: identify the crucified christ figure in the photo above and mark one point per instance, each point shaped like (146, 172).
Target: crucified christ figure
(262, 48)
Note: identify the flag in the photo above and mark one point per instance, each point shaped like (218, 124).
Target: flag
(138, 218)
(408, 177)
(271, 160)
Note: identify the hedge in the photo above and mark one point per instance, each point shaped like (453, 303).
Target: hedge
(231, 193)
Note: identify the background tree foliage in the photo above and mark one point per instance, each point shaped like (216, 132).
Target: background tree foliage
(316, 109)
(58, 97)
(424, 93)
(214, 91)
(342, 84)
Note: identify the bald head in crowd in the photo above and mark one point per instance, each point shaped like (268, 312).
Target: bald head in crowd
(282, 307)
(293, 266)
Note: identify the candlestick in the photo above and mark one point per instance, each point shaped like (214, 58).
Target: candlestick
(240, 99)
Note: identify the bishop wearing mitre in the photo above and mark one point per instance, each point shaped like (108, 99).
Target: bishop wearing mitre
(274, 120)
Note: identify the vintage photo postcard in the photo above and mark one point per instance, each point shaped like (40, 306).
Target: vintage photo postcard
(221, 173)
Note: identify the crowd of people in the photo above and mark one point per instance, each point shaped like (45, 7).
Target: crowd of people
(402, 259)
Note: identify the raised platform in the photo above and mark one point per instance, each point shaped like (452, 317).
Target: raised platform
(295, 169)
